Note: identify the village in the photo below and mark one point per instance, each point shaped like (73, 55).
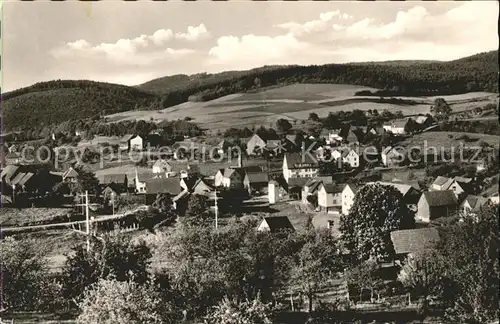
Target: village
(328, 163)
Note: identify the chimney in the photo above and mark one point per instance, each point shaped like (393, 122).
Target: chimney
(240, 163)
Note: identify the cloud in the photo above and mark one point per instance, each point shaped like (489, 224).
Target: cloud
(194, 33)
(321, 24)
(162, 36)
(251, 50)
(141, 50)
(335, 38)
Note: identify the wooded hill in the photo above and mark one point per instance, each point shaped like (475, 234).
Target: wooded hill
(53, 102)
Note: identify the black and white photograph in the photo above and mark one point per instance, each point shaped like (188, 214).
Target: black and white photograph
(249, 162)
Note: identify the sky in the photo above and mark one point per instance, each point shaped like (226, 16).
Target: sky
(134, 42)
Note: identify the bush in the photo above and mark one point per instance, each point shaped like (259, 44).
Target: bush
(112, 301)
(233, 312)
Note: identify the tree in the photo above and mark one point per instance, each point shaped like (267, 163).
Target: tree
(364, 277)
(423, 274)
(317, 261)
(233, 312)
(283, 125)
(115, 256)
(376, 212)
(314, 117)
(86, 181)
(441, 110)
(197, 210)
(112, 301)
(26, 280)
(472, 268)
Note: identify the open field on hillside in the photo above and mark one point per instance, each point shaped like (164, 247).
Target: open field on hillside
(447, 140)
(293, 102)
(26, 216)
(305, 91)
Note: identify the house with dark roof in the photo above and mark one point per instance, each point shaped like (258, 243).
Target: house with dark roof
(459, 185)
(229, 178)
(131, 142)
(275, 224)
(114, 178)
(256, 181)
(330, 198)
(298, 165)
(411, 242)
(393, 156)
(436, 204)
(310, 189)
(396, 126)
(411, 195)
(112, 190)
(163, 185)
(473, 204)
(258, 142)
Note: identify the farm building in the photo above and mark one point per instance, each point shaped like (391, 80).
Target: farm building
(230, 178)
(255, 181)
(410, 242)
(393, 156)
(436, 204)
(275, 224)
(131, 142)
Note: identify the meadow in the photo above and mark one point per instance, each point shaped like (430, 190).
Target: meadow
(293, 102)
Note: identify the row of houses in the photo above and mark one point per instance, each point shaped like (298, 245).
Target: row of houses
(437, 202)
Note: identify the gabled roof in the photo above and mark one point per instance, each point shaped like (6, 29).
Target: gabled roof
(440, 198)
(252, 168)
(333, 188)
(25, 179)
(441, 181)
(462, 179)
(17, 178)
(278, 223)
(421, 119)
(9, 171)
(268, 136)
(294, 160)
(116, 178)
(414, 240)
(475, 202)
(202, 182)
(354, 188)
(401, 187)
(257, 177)
(161, 163)
(297, 182)
(190, 181)
(228, 172)
(70, 173)
(163, 185)
(126, 138)
(400, 122)
(116, 187)
(346, 152)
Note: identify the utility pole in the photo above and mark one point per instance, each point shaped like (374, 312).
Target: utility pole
(87, 219)
(216, 211)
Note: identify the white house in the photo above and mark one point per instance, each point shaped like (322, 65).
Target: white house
(161, 167)
(296, 165)
(348, 194)
(330, 198)
(273, 191)
(334, 137)
(351, 157)
(396, 126)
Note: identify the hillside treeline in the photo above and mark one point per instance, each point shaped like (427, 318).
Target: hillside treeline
(53, 102)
